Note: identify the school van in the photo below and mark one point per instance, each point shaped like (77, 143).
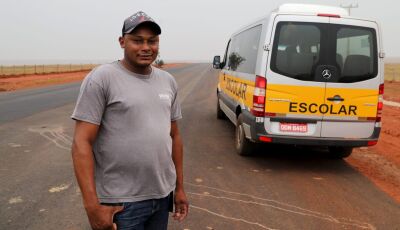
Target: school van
(303, 75)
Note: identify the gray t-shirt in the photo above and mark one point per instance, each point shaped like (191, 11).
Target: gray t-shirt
(132, 151)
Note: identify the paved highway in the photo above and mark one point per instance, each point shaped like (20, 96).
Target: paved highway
(281, 187)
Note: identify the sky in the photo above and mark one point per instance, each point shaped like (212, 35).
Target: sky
(87, 31)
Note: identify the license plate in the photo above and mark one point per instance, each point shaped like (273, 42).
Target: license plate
(293, 127)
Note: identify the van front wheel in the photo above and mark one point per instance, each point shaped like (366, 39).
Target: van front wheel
(339, 152)
(244, 146)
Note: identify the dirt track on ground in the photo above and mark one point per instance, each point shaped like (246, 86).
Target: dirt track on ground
(380, 163)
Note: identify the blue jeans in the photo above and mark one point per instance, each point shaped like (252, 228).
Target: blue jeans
(143, 215)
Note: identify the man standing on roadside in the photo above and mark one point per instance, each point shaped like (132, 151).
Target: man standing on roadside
(127, 151)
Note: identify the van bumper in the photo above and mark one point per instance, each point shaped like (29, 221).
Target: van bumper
(258, 131)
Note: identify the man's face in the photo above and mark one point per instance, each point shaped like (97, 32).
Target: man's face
(140, 46)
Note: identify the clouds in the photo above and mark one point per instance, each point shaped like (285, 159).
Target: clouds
(192, 30)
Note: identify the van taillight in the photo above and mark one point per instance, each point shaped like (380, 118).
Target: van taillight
(258, 109)
(371, 143)
(381, 89)
(265, 139)
(380, 103)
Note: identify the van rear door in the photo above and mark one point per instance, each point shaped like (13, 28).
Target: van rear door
(293, 97)
(351, 93)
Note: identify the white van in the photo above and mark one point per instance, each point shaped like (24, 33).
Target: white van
(304, 75)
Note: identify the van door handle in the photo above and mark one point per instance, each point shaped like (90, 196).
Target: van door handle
(335, 98)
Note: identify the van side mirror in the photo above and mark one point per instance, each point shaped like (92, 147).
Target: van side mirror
(217, 62)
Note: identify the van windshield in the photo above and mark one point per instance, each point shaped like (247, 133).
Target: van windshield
(300, 48)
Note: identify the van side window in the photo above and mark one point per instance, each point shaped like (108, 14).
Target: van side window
(242, 54)
(356, 53)
(296, 49)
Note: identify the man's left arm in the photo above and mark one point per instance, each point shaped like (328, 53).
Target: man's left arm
(181, 202)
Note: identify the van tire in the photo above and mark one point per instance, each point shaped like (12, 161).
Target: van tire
(244, 147)
(220, 114)
(339, 152)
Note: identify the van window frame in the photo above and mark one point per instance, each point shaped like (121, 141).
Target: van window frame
(225, 62)
(255, 57)
(335, 28)
(323, 29)
(328, 45)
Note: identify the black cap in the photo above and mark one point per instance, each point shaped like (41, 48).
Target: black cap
(137, 19)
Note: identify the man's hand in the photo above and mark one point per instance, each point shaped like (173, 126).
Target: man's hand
(181, 206)
(181, 202)
(101, 216)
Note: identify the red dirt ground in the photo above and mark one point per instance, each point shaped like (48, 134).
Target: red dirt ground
(380, 163)
(392, 91)
(11, 83)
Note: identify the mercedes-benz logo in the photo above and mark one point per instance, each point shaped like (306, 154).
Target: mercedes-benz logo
(326, 74)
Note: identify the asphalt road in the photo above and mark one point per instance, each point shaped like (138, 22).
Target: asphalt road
(281, 187)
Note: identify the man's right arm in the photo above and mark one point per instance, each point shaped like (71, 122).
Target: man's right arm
(100, 216)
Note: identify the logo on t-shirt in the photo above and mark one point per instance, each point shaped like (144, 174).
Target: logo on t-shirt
(164, 96)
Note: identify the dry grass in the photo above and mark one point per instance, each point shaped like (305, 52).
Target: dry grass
(42, 69)
(392, 72)
(48, 69)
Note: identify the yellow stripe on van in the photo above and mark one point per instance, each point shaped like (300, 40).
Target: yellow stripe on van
(364, 101)
(280, 98)
(311, 100)
(239, 89)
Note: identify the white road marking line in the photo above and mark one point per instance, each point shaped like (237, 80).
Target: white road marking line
(54, 134)
(14, 145)
(318, 178)
(391, 103)
(15, 200)
(285, 207)
(230, 218)
(269, 205)
(59, 188)
(185, 91)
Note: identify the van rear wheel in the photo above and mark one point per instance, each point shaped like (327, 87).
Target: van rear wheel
(220, 114)
(244, 147)
(339, 152)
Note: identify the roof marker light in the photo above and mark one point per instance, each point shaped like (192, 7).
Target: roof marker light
(329, 15)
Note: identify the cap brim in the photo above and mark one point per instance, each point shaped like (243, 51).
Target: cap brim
(154, 26)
